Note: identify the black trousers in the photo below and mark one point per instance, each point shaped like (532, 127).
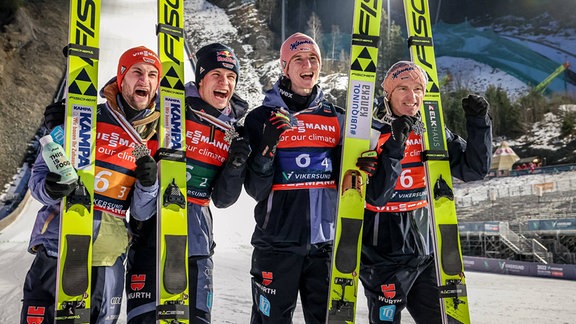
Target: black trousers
(141, 286)
(278, 277)
(39, 290)
(393, 287)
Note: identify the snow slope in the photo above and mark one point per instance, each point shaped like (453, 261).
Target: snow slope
(493, 298)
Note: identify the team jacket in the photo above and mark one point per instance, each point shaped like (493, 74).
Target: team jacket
(209, 177)
(117, 190)
(397, 189)
(295, 190)
(410, 189)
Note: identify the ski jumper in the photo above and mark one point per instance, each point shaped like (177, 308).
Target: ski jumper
(296, 206)
(209, 179)
(397, 262)
(116, 138)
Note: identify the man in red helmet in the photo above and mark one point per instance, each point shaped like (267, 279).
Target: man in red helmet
(216, 153)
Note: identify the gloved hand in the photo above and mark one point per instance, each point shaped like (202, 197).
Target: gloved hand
(57, 190)
(54, 114)
(401, 127)
(475, 105)
(146, 170)
(239, 149)
(277, 124)
(379, 108)
(367, 162)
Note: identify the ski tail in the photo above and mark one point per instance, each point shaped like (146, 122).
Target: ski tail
(361, 88)
(172, 298)
(73, 281)
(442, 209)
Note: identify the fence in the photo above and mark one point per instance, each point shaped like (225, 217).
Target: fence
(520, 268)
(518, 243)
(517, 186)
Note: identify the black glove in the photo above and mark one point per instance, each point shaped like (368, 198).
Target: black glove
(273, 129)
(401, 127)
(367, 162)
(54, 114)
(239, 150)
(379, 108)
(146, 170)
(475, 105)
(57, 190)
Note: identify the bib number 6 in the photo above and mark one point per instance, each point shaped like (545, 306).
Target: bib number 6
(102, 183)
(406, 180)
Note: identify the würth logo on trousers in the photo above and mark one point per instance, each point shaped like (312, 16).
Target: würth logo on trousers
(267, 278)
(137, 282)
(389, 291)
(35, 314)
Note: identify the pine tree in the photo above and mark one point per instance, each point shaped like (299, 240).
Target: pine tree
(453, 114)
(506, 116)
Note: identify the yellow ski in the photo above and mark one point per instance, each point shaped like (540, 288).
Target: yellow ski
(73, 282)
(361, 87)
(172, 297)
(442, 210)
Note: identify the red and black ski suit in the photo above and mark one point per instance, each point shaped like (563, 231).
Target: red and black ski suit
(397, 262)
(296, 207)
(209, 179)
(118, 192)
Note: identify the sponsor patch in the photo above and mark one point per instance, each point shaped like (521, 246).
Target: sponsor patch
(264, 306)
(386, 313)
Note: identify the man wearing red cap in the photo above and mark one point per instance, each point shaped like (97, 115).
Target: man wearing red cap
(292, 173)
(216, 154)
(397, 262)
(127, 120)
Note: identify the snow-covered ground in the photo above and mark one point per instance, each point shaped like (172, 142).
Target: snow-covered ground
(493, 298)
(476, 76)
(127, 23)
(554, 44)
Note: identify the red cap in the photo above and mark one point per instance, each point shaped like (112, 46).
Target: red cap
(295, 44)
(133, 56)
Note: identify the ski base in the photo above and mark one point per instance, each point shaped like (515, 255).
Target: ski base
(172, 300)
(173, 313)
(74, 269)
(73, 313)
(345, 268)
(442, 210)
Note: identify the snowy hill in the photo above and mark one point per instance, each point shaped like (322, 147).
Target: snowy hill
(524, 58)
